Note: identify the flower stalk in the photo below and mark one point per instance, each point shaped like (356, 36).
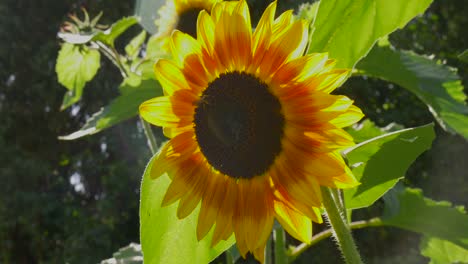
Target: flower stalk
(152, 142)
(341, 230)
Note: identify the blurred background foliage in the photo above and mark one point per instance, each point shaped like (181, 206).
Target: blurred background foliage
(77, 201)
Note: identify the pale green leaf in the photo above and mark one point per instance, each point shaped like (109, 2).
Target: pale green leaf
(347, 29)
(134, 92)
(133, 47)
(380, 162)
(435, 84)
(130, 254)
(76, 65)
(408, 209)
(165, 238)
(443, 252)
(109, 35)
(147, 10)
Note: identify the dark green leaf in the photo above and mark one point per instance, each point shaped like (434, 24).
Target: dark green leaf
(76, 65)
(442, 251)
(347, 29)
(380, 162)
(109, 35)
(134, 92)
(165, 238)
(435, 84)
(407, 208)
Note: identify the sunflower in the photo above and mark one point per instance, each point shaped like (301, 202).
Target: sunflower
(181, 15)
(254, 131)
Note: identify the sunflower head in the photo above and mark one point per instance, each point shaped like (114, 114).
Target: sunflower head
(181, 15)
(254, 131)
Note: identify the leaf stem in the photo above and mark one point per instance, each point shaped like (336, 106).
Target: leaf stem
(112, 55)
(341, 230)
(280, 246)
(152, 142)
(294, 252)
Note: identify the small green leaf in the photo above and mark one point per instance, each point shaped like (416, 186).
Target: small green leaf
(408, 209)
(134, 92)
(133, 47)
(130, 254)
(76, 65)
(347, 29)
(380, 162)
(464, 56)
(165, 238)
(442, 251)
(436, 85)
(109, 35)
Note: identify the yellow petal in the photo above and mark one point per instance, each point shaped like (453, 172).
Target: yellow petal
(167, 111)
(173, 153)
(206, 31)
(170, 76)
(210, 205)
(261, 36)
(296, 224)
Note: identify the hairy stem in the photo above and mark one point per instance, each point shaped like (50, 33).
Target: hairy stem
(294, 252)
(152, 143)
(341, 230)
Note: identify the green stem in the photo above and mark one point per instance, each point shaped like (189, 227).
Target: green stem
(341, 230)
(113, 56)
(297, 251)
(280, 246)
(152, 143)
(269, 251)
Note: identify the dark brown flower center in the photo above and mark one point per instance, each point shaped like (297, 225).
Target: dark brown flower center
(187, 22)
(239, 125)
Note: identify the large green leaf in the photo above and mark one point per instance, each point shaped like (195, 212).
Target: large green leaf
(147, 10)
(347, 29)
(134, 91)
(435, 84)
(109, 35)
(165, 238)
(407, 208)
(76, 65)
(443, 252)
(380, 162)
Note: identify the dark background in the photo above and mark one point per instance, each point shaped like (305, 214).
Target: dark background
(77, 201)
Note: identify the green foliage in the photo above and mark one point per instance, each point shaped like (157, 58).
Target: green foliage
(76, 65)
(166, 239)
(134, 91)
(347, 29)
(109, 35)
(380, 162)
(464, 56)
(436, 85)
(133, 47)
(407, 208)
(442, 251)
